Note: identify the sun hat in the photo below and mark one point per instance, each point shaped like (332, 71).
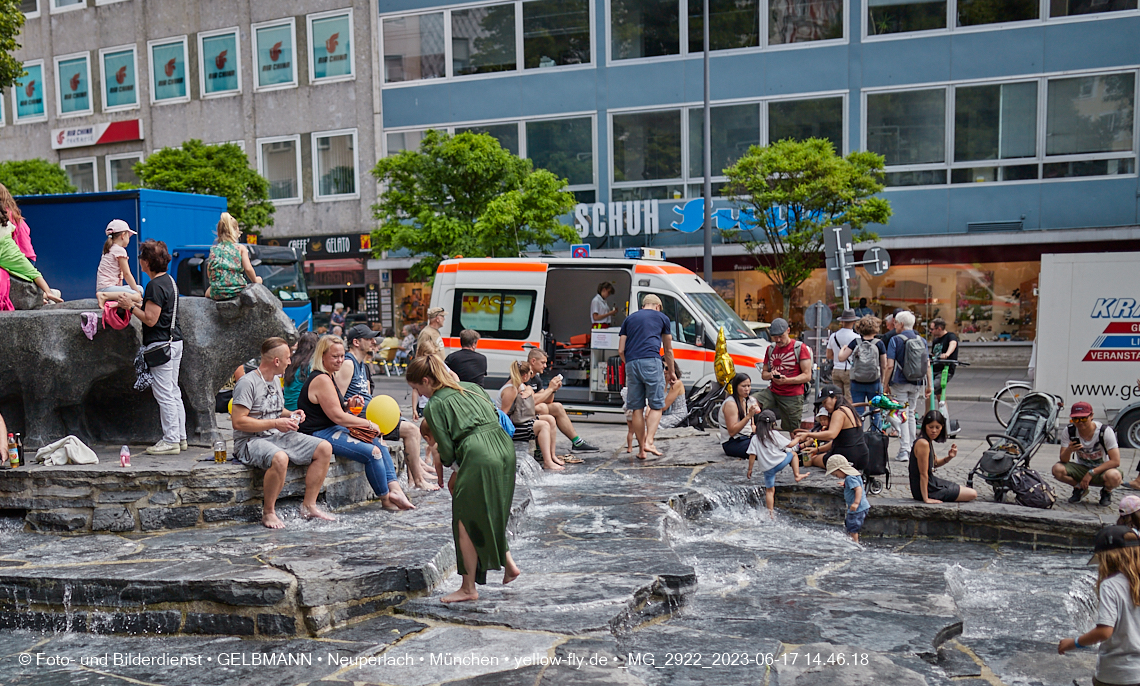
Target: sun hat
(848, 316)
(778, 327)
(117, 226)
(840, 463)
(824, 413)
(1113, 538)
(1129, 504)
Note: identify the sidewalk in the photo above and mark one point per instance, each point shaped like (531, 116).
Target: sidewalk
(980, 384)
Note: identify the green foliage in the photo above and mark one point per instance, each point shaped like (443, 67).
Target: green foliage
(810, 186)
(211, 170)
(465, 195)
(11, 21)
(34, 177)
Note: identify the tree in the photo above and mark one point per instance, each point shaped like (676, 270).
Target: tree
(211, 170)
(789, 192)
(11, 21)
(34, 177)
(466, 195)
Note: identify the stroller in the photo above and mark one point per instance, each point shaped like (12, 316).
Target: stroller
(704, 403)
(1034, 423)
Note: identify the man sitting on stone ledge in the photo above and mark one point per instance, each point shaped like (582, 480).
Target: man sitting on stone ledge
(266, 437)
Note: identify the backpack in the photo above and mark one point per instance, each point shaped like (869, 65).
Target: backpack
(1030, 490)
(865, 362)
(914, 361)
(796, 347)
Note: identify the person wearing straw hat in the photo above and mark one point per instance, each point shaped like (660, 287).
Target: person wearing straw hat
(840, 339)
(853, 494)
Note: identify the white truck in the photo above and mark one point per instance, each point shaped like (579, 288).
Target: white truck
(1088, 335)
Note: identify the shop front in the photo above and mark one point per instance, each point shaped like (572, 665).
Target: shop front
(335, 272)
(410, 299)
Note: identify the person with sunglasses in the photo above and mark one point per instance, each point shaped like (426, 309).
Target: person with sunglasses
(1091, 457)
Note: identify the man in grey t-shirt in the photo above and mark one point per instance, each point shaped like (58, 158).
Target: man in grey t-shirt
(266, 437)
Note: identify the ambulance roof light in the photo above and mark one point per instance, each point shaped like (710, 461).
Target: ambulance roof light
(645, 254)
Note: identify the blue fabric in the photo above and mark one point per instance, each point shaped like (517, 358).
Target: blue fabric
(770, 475)
(359, 383)
(737, 446)
(506, 423)
(645, 381)
(853, 522)
(379, 470)
(895, 352)
(643, 330)
(863, 392)
(850, 483)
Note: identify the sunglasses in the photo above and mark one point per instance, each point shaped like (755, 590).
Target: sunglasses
(1078, 420)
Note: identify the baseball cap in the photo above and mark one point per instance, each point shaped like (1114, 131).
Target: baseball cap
(778, 326)
(824, 413)
(840, 463)
(830, 391)
(767, 417)
(118, 226)
(435, 312)
(1129, 504)
(1081, 409)
(360, 331)
(1113, 538)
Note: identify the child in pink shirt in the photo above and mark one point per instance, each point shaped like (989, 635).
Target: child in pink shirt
(115, 266)
(23, 237)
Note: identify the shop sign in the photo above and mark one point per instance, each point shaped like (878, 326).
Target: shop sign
(617, 218)
(30, 93)
(692, 217)
(74, 81)
(97, 134)
(220, 64)
(120, 88)
(331, 39)
(275, 55)
(168, 67)
(355, 245)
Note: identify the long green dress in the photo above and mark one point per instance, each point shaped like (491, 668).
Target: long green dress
(467, 432)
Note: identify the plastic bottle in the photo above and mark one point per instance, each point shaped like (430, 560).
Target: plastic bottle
(124, 457)
(13, 452)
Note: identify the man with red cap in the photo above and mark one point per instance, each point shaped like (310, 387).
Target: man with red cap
(1091, 456)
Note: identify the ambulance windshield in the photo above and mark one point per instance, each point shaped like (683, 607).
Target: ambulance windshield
(721, 315)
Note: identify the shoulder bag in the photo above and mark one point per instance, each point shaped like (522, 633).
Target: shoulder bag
(160, 354)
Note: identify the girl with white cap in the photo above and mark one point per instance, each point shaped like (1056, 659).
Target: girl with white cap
(115, 266)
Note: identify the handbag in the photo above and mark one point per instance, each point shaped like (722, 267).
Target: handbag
(160, 354)
(363, 434)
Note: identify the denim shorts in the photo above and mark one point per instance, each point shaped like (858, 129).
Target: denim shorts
(854, 521)
(770, 475)
(645, 381)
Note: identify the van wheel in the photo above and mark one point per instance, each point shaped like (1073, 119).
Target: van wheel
(1128, 430)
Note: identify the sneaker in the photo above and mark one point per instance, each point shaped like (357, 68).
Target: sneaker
(163, 448)
(584, 447)
(1078, 494)
(954, 428)
(1105, 497)
(902, 457)
(183, 445)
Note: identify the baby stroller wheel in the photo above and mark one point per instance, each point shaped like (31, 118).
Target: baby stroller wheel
(874, 486)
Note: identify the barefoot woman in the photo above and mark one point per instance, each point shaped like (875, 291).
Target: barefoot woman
(466, 430)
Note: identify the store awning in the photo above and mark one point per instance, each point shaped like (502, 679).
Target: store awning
(345, 273)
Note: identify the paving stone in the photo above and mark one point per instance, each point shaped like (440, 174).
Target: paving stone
(162, 498)
(194, 496)
(230, 625)
(137, 622)
(58, 520)
(236, 513)
(112, 519)
(152, 518)
(276, 625)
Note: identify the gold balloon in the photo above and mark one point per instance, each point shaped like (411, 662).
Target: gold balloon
(722, 361)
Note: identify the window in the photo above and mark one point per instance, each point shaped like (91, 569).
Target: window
(334, 165)
(67, 5)
(803, 119)
(995, 122)
(565, 147)
(81, 173)
(1072, 8)
(495, 313)
(644, 28)
(801, 21)
(119, 77)
(414, 48)
(901, 16)
(29, 93)
(330, 47)
(647, 146)
(219, 63)
(279, 161)
(682, 323)
(1100, 123)
(506, 134)
(168, 71)
(555, 33)
(120, 169)
(978, 12)
(483, 40)
(735, 128)
(732, 24)
(275, 51)
(404, 140)
(908, 127)
(73, 85)
(30, 8)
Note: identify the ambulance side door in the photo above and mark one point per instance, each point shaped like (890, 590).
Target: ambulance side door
(689, 351)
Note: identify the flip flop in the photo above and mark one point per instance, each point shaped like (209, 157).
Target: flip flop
(570, 459)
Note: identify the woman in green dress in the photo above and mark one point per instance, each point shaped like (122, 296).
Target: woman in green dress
(462, 421)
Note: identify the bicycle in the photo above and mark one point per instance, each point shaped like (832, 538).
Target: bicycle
(1006, 400)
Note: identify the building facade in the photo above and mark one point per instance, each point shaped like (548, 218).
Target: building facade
(1008, 126)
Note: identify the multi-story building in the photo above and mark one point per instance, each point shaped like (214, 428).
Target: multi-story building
(1008, 126)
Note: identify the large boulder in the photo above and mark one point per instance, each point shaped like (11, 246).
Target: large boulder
(25, 295)
(54, 382)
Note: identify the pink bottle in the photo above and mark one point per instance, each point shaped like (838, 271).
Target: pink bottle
(125, 457)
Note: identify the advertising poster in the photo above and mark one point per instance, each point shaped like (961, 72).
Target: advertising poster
(30, 93)
(120, 88)
(168, 64)
(275, 59)
(332, 47)
(220, 64)
(74, 82)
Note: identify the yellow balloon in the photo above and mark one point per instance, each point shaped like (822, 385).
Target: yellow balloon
(231, 405)
(722, 361)
(383, 411)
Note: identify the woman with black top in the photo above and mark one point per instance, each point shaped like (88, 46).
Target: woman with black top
(326, 417)
(924, 485)
(160, 327)
(845, 430)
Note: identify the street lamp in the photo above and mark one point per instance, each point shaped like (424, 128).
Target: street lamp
(707, 150)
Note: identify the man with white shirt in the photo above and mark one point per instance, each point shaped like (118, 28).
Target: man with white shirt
(601, 314)
(841, 372)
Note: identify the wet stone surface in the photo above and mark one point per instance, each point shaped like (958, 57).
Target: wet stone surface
(641, 574)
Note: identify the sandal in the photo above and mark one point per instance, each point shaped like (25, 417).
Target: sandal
(571, 459)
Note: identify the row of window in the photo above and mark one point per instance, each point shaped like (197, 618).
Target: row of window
(536, 34)
(274, 50)
(32, 8)
(84, 175)
(1018, 130)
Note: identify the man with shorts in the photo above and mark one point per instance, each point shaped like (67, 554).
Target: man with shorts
(643, 335)
(943, 346)
(787, 365)
(266, 436)
(1091, 458)
(544, 402)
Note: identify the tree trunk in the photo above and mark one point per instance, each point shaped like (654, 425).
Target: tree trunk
(787, 292)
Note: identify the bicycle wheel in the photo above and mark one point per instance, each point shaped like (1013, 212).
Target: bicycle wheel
(1005, 402)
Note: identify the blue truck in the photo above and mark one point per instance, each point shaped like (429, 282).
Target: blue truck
(68, 235)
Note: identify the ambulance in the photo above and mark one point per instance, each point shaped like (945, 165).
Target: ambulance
(521, 304)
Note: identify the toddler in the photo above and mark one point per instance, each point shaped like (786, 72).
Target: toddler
(769, 447)
(853, 494)
(115, 267)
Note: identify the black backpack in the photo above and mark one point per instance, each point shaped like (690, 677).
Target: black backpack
(1030, 490)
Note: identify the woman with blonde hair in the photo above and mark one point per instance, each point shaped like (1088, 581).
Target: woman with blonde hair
(464, 425)
(326, 417)
(21, 234)
(228, 266)
(517, 400)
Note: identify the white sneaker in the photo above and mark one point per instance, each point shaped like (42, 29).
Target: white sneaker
(163, 448)
(902, 457)
(183, 445)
